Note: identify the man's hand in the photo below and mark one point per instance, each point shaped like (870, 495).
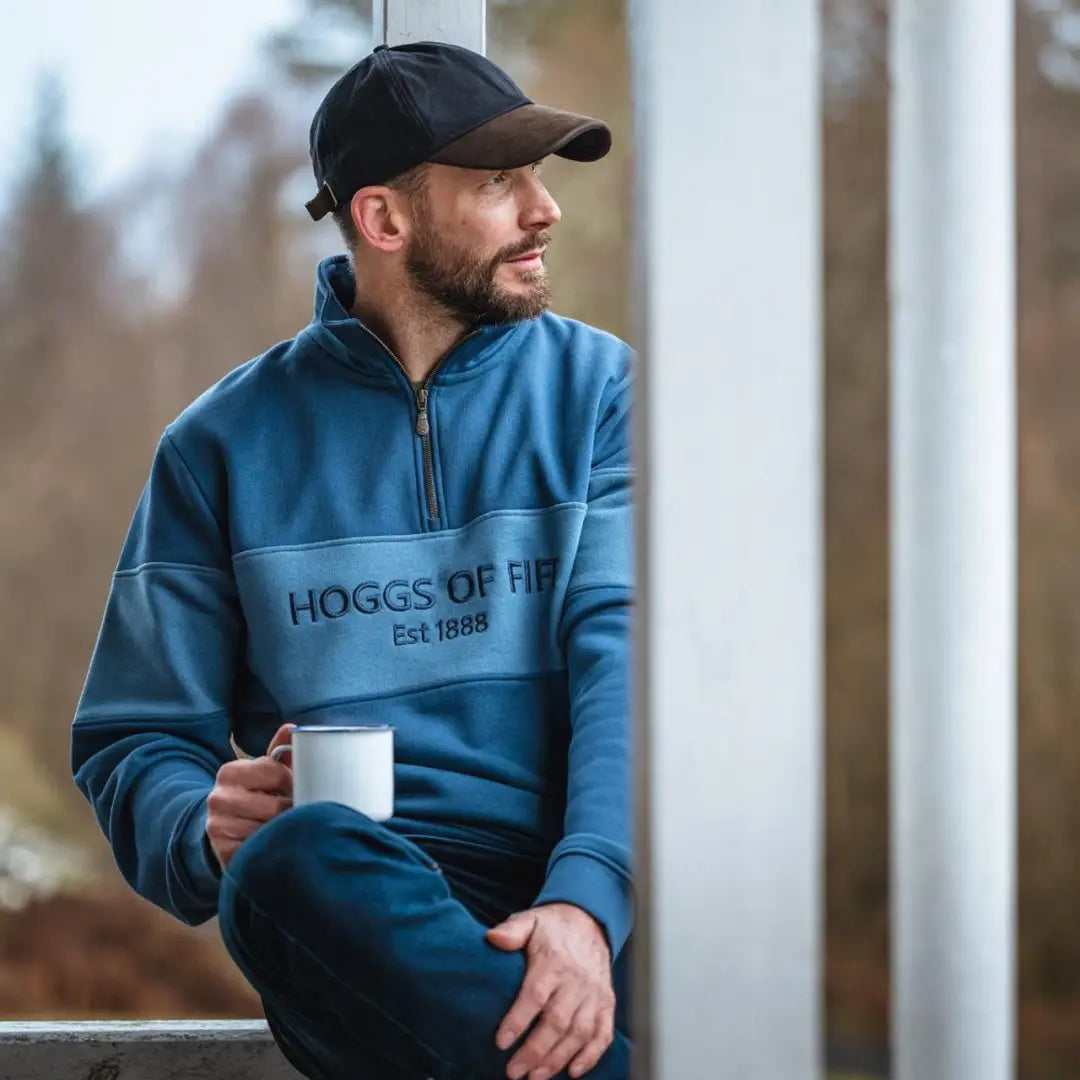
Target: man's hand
(246, 795)
(568, 981)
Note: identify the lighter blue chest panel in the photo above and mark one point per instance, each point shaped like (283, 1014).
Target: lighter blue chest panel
(374, 617)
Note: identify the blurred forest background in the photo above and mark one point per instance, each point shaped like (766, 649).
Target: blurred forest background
(115, 313)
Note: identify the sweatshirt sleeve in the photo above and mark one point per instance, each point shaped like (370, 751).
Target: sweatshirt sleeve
(591, 866)
(151, 728)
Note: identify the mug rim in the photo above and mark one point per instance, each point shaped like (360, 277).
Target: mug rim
(342, 727)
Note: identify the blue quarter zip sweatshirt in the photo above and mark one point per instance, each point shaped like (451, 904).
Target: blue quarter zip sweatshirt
(321, 542)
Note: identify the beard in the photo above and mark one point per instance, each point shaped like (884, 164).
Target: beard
(465, 285)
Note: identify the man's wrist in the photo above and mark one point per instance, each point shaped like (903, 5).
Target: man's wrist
(578, 879)
(576, 909)
(579, 914)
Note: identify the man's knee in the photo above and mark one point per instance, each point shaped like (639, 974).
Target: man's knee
(283, 856)
(273, 887)
(307, 861)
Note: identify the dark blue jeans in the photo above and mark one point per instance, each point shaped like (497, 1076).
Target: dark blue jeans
(368, 949)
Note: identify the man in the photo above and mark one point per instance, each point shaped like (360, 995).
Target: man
(433, 447)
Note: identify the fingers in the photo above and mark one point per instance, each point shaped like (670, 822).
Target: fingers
(575, 1028)
(575, 1042)
(247, 793)
(257, 774)
(282, 737)
(594, 1050)
(567, 1023)
(532, 997)
(236, 814)
(238, 803)
(223, 850)
(225, 835)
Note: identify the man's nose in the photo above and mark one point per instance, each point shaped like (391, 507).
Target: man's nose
(542, 211)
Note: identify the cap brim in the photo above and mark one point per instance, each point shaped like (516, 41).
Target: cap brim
(525, 135)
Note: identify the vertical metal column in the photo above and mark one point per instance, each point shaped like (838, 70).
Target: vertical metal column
(729, 837)
(459, 22)
(954, 540)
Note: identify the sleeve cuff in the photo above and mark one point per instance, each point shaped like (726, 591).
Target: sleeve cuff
(588, 883)
(196, 867)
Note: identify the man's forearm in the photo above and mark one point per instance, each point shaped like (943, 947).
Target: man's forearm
(148, 789)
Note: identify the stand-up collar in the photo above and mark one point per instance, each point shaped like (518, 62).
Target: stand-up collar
(349, 341)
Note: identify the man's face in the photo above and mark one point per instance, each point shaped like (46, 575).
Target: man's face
(478, 242)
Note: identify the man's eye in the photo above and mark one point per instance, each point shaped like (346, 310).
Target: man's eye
(498, 178)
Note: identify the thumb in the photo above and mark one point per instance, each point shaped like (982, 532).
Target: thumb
(513, 932)
(282, 737)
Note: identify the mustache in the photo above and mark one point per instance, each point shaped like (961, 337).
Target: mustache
(523, 247)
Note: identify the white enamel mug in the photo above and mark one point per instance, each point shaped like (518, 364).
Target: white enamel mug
(350, 765)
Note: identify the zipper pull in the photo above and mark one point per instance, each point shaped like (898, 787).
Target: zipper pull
(422, 426)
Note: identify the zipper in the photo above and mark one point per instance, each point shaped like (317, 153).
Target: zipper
(423, 429)
(422, 426)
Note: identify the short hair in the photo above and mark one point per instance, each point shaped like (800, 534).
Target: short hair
(412, 182)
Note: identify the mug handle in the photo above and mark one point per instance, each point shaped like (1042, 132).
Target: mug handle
(284, 748)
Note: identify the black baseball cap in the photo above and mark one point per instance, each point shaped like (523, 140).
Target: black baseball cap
(400, 107)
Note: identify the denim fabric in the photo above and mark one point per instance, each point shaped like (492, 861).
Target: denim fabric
(368, 950)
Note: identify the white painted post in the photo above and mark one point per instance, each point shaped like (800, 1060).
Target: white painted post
(459, 22)
(954, 540)
(729, 838)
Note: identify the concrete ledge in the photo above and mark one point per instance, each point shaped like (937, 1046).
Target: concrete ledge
(141, 1050)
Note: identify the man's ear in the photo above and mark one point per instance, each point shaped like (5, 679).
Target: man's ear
(379, 218)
